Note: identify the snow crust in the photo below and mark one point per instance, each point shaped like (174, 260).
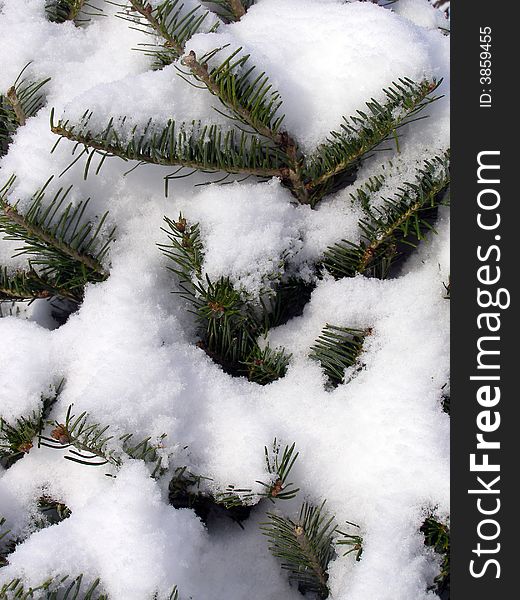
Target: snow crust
(376, 448)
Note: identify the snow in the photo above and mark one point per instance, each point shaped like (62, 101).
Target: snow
(422, 13)
(347, 46)
(376, 448)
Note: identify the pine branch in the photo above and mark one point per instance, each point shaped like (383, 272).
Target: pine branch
(187, 490)
(194, 146)
(6, 544)
(77, 11)
(252, 101)
(400, 220)
(169, 21)
(280, 468)
(337, 349)
(22, 100)
(63, 588)
(23, 286)
(52, 511)
(249, 97)
(184, 491)
(305, 546)
(230, 10)
(229, 325)
(3, 531)
(360, 134)
(88, 443)
(353, 541)
(56, 588)
(63, 248)
(265, 364)
(277, 488)
(17, 438)
(437, 536)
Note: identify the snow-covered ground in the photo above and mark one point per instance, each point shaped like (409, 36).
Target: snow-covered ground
(376, 448)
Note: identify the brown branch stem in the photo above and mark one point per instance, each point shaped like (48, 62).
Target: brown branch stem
(16, 105)
(238, 9)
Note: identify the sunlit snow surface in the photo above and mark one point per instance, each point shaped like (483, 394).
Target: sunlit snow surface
(376, 448)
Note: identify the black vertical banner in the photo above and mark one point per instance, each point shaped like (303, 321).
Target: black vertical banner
(485, 324)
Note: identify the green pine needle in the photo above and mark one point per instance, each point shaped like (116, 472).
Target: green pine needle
(437, 536)
(265, 365)
(248, 94)
(56, 588)
(229, 325)
(230, 10)
(210, 148)
(359, 134)
(170, 23)
(277, 488)
(88, 443)
(22, 101)
(353, 541)
(337, 349)
(64, 250)
(279, 467)
(18, 437)
(400, 220)
(305, 546)
(77, 11)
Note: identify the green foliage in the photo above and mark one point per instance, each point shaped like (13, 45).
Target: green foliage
(353, 541)
(230, 10)
(277, 488)
(170, 21)
(229, 325)
(61, 588)
(64, 250)
(57, 588)
(23, 285)
(193, 145)
(447, 288)
(400, 221)
(17, 438)
(437, 536)
(304, 546)
(77, 11)
(23, 100)
(187, 490)
(337, 349)
(248, 94)
(266, 151)
(279, 467)
(88, 443)
(257, 145)
(360, 134)
(6, 544)
(53, 511)
(265, 364)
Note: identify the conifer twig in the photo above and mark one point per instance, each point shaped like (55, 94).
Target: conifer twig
(43, 235)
